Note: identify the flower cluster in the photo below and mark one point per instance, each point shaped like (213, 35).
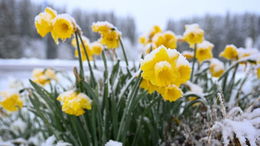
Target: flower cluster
(232, 53)
(74, 103)
(61, 26)
(110, 36)
(43, 76)
(156, 38)
(10, 101)
(168, 39)
(164, 70)
(147, 38)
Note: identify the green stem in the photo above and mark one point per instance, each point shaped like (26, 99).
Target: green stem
(196, 80)
(231, 67)
(123, 50)
(193, 61)
(89, 65)
(80, 58)
(95, 65)
(231, 84)
(241, 85)
(126, 114)
(148, 108)
(105, 64)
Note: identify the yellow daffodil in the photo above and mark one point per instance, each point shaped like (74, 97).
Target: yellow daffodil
(216, 67)
(163, 67)
(204, 51)
(43, 21)
(164, 70)
(111, 39)
(74, 103)
(159, 67)
(64, 26)
(230, 53)
(148, 86)
(193, 34)
(188, 54)
(96, 48)
(87, 48)
(43, 76)
(168, 39)
(10, 101)
(110, 36)
(170, 93)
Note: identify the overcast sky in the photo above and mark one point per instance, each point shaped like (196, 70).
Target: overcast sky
(150, 12)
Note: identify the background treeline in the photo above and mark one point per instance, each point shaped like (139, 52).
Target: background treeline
(221, 30)
(18, 37)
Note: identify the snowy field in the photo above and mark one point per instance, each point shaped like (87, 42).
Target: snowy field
(12, 70)
(21, 70)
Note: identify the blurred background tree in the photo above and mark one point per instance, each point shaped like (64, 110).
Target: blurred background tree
(222, 30)
(18, 37)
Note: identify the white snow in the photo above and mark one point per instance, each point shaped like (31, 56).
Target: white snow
(205, 44)
(51, 141)
(188, 53)
(194, 89)
(218, 65)
(243, 125)
(20, 70)
(18, 125)
(192, 28)
(105, 23)
(162, 64)
(173, 53)
(242, 53)
(113, 143)
(39, 17)
(182, 61)
(65, 16)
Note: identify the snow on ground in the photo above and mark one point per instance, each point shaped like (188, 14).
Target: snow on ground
(13, 70)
